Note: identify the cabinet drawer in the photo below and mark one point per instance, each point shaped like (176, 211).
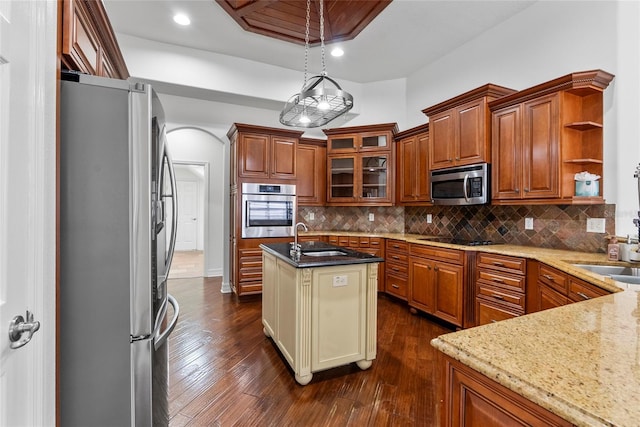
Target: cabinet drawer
(396, 285)
(398, 268)
(375, 242)
(397, 258)
(580, 291)
(501, 263)
(490, 312)
(448, 255)
(553, 278)
(354, 242)
(334, 240)
(499, 294)
(397, 245)
(250, 275)
(517, 283)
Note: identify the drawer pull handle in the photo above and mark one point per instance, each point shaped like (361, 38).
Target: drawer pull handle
(395, 257)
(548, 277)
(394, 286)
(436, 268)
(395, 268)
(583, 296)
(496, 296)
(498, 264)
(494, 321)
(498, 280)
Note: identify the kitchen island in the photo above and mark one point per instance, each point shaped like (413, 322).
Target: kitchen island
(319, 305)
(580, 362)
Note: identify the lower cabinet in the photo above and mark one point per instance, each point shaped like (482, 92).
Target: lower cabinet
(472, 399)
(397, 268)
(555, 288)
(436, 282)
(500, 284)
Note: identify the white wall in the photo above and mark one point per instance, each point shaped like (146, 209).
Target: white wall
(545, 41)
(200, 146)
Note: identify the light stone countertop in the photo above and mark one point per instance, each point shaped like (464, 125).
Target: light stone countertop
(558, 258)
(580, 361)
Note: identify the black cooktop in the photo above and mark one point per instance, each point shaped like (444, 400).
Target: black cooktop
(463, 242)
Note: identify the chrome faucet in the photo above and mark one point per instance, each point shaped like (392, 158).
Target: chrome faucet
(295, 247)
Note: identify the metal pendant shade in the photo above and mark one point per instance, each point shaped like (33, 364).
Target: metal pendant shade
(321, 98)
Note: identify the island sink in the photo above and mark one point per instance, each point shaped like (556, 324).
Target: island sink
(324, 253)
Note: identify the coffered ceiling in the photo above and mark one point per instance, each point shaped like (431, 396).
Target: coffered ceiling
(286, 20)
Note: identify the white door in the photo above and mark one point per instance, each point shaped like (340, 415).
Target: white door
(27, 208)
(187, 236)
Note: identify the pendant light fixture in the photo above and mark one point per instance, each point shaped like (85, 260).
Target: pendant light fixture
(321, 98)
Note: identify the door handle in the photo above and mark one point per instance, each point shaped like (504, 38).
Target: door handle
(21, 331)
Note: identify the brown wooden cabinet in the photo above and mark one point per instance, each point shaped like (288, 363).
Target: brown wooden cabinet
(554, 288)
(88, 43)
(412, 167)
(266, 156)
(257, 155)
(311, 172)
(544, 135)
(472, 399)
(397, 268)
(500, 286)
(360, 165)
(436, 282)
(460, 128)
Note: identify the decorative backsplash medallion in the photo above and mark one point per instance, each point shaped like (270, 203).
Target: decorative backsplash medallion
(554, 226)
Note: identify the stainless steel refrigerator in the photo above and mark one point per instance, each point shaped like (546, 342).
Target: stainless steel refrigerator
(118, 207)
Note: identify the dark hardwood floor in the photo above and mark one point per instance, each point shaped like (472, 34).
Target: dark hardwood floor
(225, 372)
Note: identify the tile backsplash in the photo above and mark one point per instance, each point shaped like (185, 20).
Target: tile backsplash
(554, 226)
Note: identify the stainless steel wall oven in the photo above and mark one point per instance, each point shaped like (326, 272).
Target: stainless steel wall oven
(268, 210)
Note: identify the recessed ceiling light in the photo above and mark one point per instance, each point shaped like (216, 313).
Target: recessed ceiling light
(181, 19)
(337, 51)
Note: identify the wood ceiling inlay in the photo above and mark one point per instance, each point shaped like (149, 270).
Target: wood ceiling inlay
(286, 19)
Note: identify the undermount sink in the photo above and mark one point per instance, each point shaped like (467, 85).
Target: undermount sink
(323, 253)
(608, 270)
(619, 273)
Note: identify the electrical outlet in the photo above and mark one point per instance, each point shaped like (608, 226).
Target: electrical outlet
(429, 218)
(371, 217)
(595, 225)
(312, 216)
(528, 223)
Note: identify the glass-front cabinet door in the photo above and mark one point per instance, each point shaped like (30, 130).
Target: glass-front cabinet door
(374, 141)
(342, 178)
(374, 177)
(359, 179)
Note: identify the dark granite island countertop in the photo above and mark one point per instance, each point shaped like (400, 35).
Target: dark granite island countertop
(349, 256)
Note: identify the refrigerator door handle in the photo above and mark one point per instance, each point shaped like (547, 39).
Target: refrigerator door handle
(174, 209)
(160, 339)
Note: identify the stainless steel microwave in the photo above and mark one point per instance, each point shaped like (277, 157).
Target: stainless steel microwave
(462, 185)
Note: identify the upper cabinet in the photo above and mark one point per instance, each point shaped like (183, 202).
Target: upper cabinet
(412, 167)
(360, 165)
(263, 154)
(460, 128)
(544, 135)
(311, 166)
(88, 43)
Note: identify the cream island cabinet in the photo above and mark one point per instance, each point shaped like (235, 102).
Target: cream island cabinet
(320, 307)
